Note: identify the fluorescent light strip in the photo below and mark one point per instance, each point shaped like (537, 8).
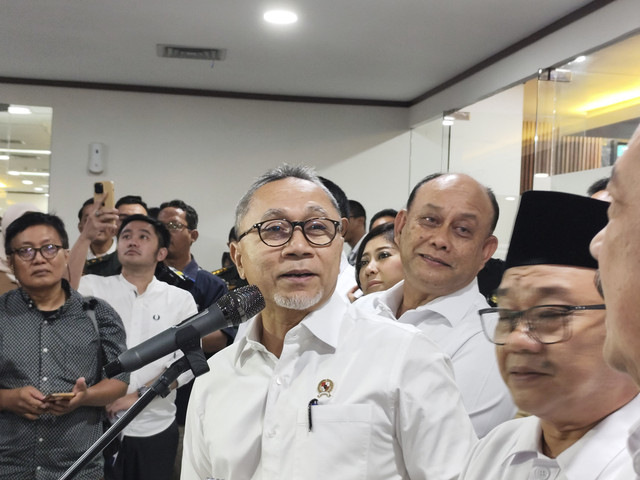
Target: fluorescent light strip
(34, 174)
(613, 99)
(24, 150)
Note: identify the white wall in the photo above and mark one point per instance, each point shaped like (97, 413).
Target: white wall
(207, 151)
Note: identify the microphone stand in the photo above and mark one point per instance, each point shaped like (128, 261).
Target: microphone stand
(188, 339)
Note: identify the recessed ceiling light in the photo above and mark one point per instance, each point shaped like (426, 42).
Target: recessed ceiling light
(580, 59)
(4, 157)
(39, 189)
(510, 199)
(280, 17)
(541, 175)
(447, 123)
(27, 182)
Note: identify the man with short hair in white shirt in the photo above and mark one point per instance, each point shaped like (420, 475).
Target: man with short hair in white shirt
(445, 236)
(313, 391)
(616, 249)
(549, 331)
(147, 307)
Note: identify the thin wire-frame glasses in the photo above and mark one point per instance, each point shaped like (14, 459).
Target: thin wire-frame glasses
(546, 324)
(275, 233)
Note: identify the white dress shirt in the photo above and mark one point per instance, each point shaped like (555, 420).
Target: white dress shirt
(512, 451)
(632, 468)
(145, 315)
(453, 323)
(387, 406)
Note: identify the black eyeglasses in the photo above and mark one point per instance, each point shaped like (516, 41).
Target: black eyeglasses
(27, 254)
(546, 324)
(275, 233)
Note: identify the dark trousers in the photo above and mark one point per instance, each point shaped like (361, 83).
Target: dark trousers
(145, 458)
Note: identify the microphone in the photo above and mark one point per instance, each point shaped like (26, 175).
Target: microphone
(229, 311)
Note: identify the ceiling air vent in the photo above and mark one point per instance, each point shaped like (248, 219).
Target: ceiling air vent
(191, 53)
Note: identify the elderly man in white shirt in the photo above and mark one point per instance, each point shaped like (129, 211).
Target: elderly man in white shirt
(445, 236)
(549, 332)
(618, 255)
(313, 391)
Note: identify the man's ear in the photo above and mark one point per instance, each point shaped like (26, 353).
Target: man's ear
(194, 235)
(398, 225)
(236, 256)
(489, 248)
(344, 222)
(162, 254)
(345, 226)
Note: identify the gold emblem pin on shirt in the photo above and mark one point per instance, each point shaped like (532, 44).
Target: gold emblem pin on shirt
(325, 387)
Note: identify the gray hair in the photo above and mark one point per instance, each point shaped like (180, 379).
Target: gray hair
(302, 172)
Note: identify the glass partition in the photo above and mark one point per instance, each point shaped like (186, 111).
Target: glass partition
(25, 152)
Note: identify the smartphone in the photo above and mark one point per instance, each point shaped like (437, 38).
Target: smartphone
(58, 396)
(101, 187)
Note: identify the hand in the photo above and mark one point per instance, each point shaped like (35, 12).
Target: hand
(62, 406)
(351, 294)
(99, 220)
(121, 404)
(28, 402)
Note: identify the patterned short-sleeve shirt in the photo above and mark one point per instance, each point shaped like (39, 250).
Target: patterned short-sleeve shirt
(50, 352)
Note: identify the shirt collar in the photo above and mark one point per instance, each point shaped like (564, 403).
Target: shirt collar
(453, 307)
(633, 445)
(323, 323)
(526, 444)
(191, 269)
(586, 459)
(152, 284)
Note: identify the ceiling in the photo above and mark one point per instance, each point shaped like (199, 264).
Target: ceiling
(350, 49)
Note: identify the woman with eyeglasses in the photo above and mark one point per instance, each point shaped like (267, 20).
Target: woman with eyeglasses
(53, 343)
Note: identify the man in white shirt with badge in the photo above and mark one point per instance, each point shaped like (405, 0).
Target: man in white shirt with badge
(549, 331)
(313, 391)
(147, 307)
(445, 236)
(616, 248)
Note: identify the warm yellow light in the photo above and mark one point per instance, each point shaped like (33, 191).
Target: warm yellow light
(611, 99)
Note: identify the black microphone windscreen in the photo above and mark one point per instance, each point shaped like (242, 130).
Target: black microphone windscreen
(241, 304)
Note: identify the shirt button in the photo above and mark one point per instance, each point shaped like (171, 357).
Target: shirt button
(271, 433)
(41, 440)
(45, 350)
(541, 473)
(44, 379)
(278, 380)
(38, 468)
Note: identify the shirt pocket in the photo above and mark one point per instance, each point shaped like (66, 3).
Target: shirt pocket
(338, 444)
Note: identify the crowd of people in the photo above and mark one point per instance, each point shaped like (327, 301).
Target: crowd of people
(380, 353)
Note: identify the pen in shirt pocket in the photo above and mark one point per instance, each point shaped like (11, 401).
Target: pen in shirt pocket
(312, 403)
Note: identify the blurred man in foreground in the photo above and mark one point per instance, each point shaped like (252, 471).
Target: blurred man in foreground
(616, 248)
